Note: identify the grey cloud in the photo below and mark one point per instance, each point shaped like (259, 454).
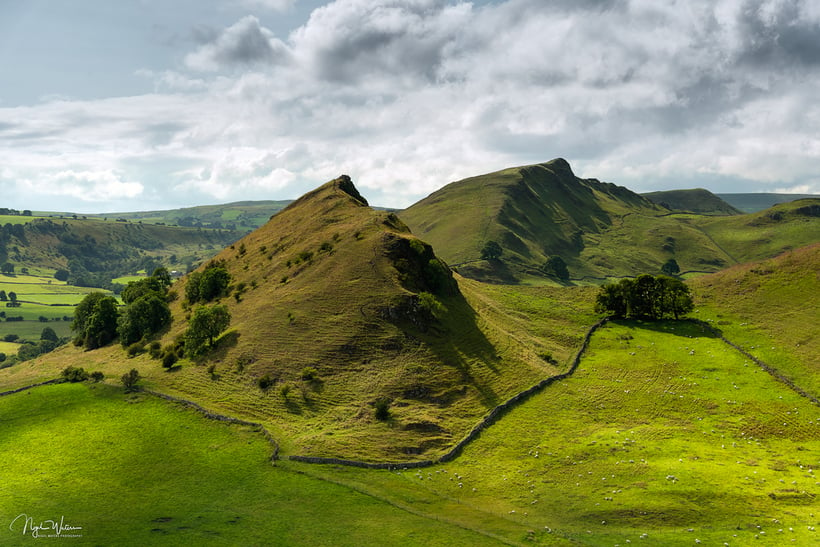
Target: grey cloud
(777, 36)
(242, 44)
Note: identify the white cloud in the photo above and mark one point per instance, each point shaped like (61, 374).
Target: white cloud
(408, 95)
(88, 186)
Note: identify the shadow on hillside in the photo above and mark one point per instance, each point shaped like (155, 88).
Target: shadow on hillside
(460, 343)
(687, 328)
(221, 347)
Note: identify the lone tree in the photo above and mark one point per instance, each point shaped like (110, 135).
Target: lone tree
(645, 297)
(205, 325)
(130, 379)
(556, 267)
(670, 267)
(491, 251)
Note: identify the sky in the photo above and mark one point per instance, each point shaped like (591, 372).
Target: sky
(157, 104)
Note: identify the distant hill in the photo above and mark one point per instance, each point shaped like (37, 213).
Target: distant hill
(239, 215)
(753, 203)
(533, 212)
(95, 250)
(694, 201)
(599, 230)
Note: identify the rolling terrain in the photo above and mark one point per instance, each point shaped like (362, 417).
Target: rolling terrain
(665, 434)
(692, 201)
(601, 231)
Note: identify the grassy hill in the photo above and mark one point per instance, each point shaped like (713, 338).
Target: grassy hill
(771, 308)
(599, 230)
(533, 212)
(331, 285)
(753, 203)
(693, 201)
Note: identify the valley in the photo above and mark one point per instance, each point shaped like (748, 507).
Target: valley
(350, 338)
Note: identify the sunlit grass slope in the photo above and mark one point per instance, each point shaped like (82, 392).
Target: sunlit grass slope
(534, 212)
(333, 286)
(665, 435)
(600, 230)
(136, 470)
(771, 308)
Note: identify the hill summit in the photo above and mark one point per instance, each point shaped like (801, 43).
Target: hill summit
(533, 212)
(342, 310)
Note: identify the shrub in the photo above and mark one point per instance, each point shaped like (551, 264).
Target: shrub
(130, 379)
(309, 374)
(155, 350)
(135, 349)
(169, 359)
(265, 382)
(382, 409)
(11, 338)
(75, 374)
(284, 391)
(97, 376)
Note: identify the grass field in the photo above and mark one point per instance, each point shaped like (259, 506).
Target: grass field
(134, 470)
(664, 435)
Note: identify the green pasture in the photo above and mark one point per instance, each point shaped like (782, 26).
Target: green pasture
(33, 329)
(663, 436)
(9, 348)
(135, 470)
(15, 219)
(124, 280)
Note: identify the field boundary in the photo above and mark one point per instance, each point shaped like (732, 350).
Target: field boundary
(488, 420)
(32, 386)
(220, 418)
(776, 374)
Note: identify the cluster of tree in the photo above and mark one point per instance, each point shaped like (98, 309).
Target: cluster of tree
(645, 297)
(49, 341)
(14, 212)
(491, 251)
(98, 319)
(208, 284)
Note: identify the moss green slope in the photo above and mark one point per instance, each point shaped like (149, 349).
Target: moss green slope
(332, 285)
(696, 200)
(534, 212)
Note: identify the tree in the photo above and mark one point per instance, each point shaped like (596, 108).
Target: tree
(556, 267)
(49, 334)
(162, 275)
(137, 289)
(7, 268)
(205, 325)
(3, 296)
(95, 320)
(61, 275)
(130, 379)
(670, 267)
(143, 318)
(491, 251)
(13, 297)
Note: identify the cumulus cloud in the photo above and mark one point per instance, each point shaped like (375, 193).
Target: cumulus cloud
(89, 186)
(245, 43)
(408, 95)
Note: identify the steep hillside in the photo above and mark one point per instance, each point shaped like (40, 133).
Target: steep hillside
(342, 308)
(693, 201)
(599, 230)
(533, 212)
(771, 307)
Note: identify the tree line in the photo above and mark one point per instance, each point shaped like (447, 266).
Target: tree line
(645, 297)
